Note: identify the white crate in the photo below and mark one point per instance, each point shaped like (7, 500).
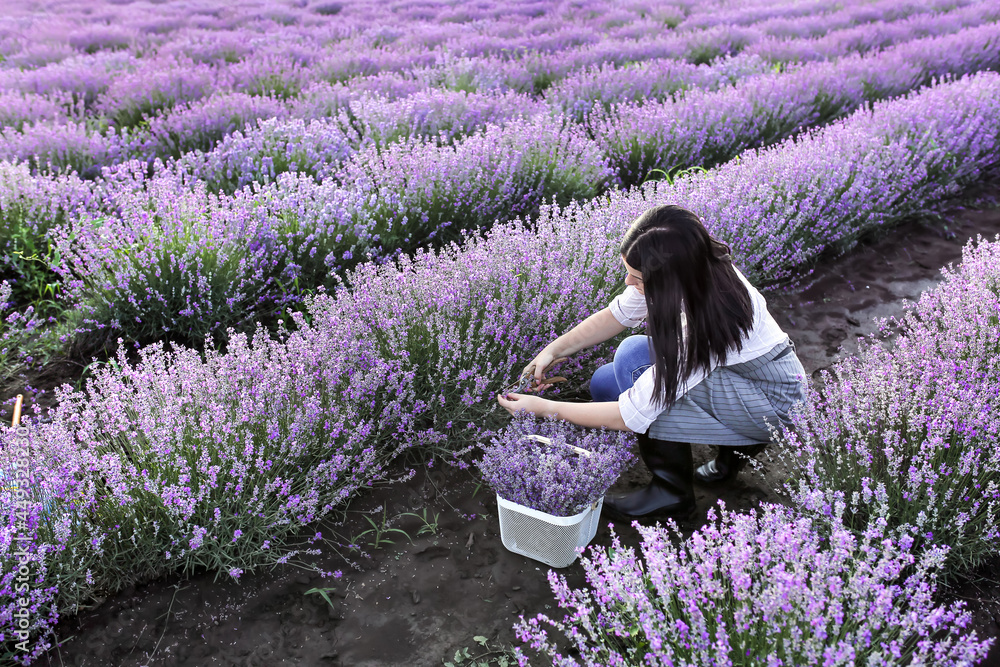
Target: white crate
(553, 540)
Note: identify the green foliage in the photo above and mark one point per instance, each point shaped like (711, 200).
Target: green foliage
(673, 175)
(29, 256)
(430, 526)
(376, 536)
(279, 85)
(323, 593)
(40, 285)
(486, 653)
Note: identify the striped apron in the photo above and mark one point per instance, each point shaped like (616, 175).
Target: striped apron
(735, 404)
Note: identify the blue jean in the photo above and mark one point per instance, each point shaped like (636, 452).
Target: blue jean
(632, 358)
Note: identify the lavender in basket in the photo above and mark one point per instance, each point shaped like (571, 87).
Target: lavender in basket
(554, 478)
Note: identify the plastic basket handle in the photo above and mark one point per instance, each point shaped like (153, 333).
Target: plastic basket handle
(546, 441)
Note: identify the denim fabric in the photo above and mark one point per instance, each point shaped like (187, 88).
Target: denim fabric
(631, 359)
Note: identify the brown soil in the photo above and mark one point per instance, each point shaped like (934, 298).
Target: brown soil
(416, 602)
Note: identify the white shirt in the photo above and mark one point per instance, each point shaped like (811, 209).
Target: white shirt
(636, 404)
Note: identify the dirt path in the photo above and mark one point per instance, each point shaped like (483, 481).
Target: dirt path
(416, 604)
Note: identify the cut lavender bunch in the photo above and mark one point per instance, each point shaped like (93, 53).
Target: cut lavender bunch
(555, 477)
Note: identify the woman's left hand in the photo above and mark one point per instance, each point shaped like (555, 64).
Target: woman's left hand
(516, 402)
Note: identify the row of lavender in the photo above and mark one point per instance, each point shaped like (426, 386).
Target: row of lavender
(895, 486)
(147, 257)
(146, 26)
(182, 461)
(83, 115)
(319, 148)
(354, 42)
(245, 58)
(727, 107)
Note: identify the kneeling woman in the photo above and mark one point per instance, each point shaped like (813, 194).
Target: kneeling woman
(715, 368)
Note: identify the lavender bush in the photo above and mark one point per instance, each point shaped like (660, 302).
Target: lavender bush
(766, 587)
(215, 45)
(156, 85)
(410, 192)
(477, 74)
(275, 75)
(82, 78)
(39, 55)
(554, 478)
(322, 99)
(31, 207)
(91, 39)
(459, 320)
(445, 116)
(18, 109)
(38, 534)
(53, 148)
(909, 435)
(200, 125)
(185, 461)
(17, 327)
(258, 154)
(178, 262)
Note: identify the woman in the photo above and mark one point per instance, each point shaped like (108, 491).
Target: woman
(715, 368)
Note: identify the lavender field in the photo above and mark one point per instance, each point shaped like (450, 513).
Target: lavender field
(293, 248)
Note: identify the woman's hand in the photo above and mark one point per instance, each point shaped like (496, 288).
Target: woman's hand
(516, 402)
(537, 367)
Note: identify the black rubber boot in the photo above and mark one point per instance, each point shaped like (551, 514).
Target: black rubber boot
(727, 464)
(670, 494)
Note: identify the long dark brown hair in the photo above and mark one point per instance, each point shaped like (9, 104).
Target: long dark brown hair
(684, 268)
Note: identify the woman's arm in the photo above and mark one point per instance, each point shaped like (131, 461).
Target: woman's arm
(593, 415)
(597, 328)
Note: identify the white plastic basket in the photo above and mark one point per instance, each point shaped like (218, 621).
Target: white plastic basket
(553, 540)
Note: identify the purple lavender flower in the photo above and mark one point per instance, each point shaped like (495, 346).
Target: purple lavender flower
(18, 109)
(16, 329)
(168, 260)
(83, 78)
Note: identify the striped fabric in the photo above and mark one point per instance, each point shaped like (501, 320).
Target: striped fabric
(735, 403)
